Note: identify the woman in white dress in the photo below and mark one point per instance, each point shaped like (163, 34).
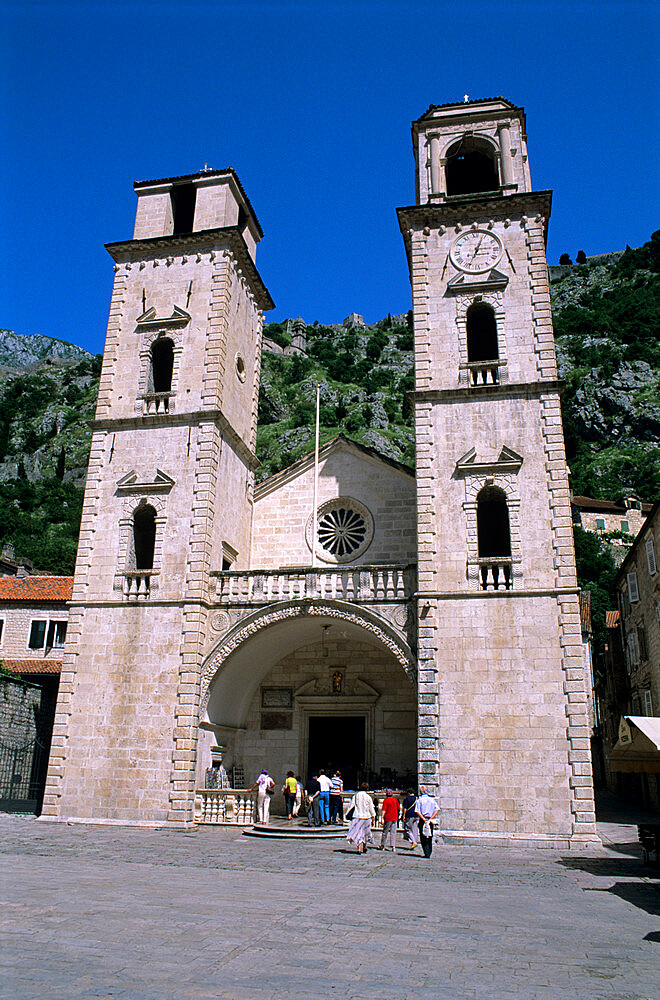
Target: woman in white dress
(359, 832)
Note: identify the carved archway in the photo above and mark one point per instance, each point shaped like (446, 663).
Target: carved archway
(365, 620)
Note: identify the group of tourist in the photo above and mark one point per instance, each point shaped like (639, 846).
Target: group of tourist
(322, 798)
(419, 813)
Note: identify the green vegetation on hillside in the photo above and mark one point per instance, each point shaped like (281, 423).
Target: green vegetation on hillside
(364, 374)
(42, 520)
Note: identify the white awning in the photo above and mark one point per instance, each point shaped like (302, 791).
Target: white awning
(638, 746)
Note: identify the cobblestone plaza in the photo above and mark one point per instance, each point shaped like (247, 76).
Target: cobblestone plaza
(93, 913)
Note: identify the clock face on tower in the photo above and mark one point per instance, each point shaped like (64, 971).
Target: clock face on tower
(476, 251)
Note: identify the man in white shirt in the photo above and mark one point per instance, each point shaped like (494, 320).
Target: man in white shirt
(324, 797)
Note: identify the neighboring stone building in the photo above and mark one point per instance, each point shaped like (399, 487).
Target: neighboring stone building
(631, 682)
(617, 523)
(33, 626)
(422, 626)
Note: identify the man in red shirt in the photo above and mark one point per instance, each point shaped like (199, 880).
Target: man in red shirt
(391, 809)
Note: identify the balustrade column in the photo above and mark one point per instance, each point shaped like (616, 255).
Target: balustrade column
(437, 174)
(505, 153)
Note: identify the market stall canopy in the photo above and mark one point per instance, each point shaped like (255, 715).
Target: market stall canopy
(638, 746)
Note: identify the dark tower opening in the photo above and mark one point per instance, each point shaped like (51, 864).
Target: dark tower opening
(183, 208)
(481, 333)
(162, 364)
(144, 536)
(471, 168)
(493, 530)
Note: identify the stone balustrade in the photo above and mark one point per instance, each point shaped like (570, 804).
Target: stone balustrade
(225, 806)
(483, 372)
(137, 585)
(356, 584)
(156, 402)
(238, 807)
(496, 574)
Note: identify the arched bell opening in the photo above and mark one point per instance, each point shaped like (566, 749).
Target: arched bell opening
(471, 167)
(312, 692)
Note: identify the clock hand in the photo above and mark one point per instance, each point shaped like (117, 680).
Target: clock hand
(477, 248)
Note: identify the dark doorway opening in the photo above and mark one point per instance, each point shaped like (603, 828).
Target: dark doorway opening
(183, 208)
(337, 742)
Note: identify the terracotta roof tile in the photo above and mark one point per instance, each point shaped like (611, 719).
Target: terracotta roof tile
(611, 619)
(615, 507)
(34, 666)
(36, 588)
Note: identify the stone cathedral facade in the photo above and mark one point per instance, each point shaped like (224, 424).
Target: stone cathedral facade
(438, 635)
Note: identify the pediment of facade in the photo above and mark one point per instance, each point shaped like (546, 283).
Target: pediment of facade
(132, 483)
(150, 321)
(467, 283)
(340, 445)
(502, 459)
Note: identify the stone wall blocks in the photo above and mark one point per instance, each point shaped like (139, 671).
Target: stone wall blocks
(580, 743)
(587, 818)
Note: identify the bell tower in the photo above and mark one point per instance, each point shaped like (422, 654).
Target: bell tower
(503, 730)
(168, 496)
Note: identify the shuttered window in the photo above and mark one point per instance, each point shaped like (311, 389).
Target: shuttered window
(37, 634)
(633, 590)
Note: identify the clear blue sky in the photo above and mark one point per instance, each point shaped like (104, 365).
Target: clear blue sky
(311, 102)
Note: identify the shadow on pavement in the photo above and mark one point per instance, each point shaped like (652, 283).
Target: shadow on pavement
(643, 895)
(629, 865)
(652, 936)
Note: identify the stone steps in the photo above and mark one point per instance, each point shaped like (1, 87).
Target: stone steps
(285, 832)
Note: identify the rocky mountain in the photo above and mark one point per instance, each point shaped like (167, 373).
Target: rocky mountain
(20, 354)
(606, 313)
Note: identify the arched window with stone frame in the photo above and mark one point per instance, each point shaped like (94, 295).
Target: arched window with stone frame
(141, 533)
(160, 354)
(492, 512)
(481, 339)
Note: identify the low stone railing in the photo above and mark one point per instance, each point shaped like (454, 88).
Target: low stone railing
(357, 584)
(225, 806)
(483, 372)
(156, 402)
(137, 585)
(238, 807)
(496, 574)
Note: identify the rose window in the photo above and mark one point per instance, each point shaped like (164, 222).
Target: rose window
(341, 531)
(344, 532)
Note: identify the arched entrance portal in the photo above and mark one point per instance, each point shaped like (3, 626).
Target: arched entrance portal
(298, 688)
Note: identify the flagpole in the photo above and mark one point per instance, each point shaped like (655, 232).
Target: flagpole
(316, 478)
